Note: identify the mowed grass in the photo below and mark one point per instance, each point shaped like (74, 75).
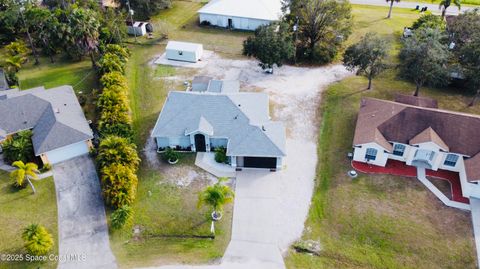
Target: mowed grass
(79, 75)
(464, 3)
(20, 208)
(165, 212)
(378, 221)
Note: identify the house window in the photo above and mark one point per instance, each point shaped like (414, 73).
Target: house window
(451, 160)
(180, 53)
(399, 149)
(371, 154)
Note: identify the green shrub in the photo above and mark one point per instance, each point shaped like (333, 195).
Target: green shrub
(37, 239)
(113, 79)
(19, 147)
(171, 155)
(429, 21)
(110, 63)
(119, 185)
(221, 155)
(117, 150)
(121, 216)
(46, 167)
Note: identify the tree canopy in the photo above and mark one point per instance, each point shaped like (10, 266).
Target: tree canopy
(424, 58)
(271, 45)
(367, 56)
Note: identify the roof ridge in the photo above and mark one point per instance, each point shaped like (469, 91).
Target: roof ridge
(426, 108)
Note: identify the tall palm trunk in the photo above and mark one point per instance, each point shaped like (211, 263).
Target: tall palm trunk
(31, 185)
(369, 83)
(390, 10)
(417, 90)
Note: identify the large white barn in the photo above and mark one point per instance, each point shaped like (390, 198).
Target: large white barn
(242, 15)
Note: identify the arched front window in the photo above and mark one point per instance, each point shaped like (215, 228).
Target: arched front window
(371, 154)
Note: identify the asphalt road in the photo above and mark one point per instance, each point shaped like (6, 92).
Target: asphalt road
(434, 8)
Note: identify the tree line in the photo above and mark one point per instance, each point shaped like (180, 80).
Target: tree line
(435, 55)
(76, 30)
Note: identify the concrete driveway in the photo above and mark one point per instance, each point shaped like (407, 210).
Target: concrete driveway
(83, 233)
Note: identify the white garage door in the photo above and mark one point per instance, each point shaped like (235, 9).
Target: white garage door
(68, 152)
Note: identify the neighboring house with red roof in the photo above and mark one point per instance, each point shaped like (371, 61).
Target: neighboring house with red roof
(414, 131)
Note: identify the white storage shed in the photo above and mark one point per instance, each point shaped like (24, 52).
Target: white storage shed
(247, 15)
(184, 51)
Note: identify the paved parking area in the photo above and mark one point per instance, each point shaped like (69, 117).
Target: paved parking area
(82, 226)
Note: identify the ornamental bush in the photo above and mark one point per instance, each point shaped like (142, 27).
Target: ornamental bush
(19, 147)
(117, 150)
(37, 239)
(221, 155)
(113, 78)
(121, 216)
(119, 185)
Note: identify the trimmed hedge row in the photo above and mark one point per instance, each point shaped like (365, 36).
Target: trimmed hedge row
(117, 157)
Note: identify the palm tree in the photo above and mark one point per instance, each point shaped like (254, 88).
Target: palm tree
(216, 196)
(25, 172)
(391, 7)
(444, 4)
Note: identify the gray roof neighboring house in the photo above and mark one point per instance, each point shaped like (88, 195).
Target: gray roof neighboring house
(242, 118)
(54, 115)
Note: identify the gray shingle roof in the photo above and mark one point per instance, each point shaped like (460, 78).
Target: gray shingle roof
(54, 115)
(242, 118)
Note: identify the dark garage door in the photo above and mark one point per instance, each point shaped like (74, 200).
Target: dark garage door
(260, 162)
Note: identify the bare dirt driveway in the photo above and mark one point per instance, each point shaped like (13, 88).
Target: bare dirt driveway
(82, 226)
(271, 208)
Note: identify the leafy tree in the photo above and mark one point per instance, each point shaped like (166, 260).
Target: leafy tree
(37, 239)
(367, 56)
(112, 28)
(444, 4)
(43, 24)
(118, 150)
(19, 147)
(327, 22)
(424, 59)
(25, 173)
(470, 62)
(113, 79)
(430, 21)
(119, 184)
(391, 7)
(464, 27)
(16, 57)
(10, 23)
(79, 32)
(271, 45)
(216, 196)
(121, 216)
(144, 9)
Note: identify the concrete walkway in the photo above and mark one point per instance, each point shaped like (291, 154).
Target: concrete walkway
(82, 226)
(206, 161)
(421, 175)
(452, 10)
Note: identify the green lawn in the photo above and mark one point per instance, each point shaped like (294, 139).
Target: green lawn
(378, 221)
(19, 208)
(464, 2)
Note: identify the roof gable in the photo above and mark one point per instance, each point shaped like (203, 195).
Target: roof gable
(429, 135)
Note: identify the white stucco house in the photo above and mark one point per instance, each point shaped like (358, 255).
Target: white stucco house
(60, 129)
(184, 51)
(414, 131)
(241, 15)
(202, 120)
